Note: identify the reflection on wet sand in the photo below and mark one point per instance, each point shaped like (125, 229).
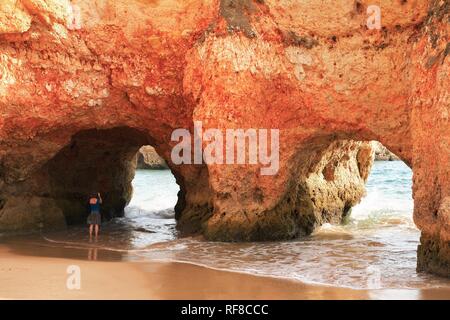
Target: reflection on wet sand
(36, 276)
(38, 246)
(92, 254)
(376, 249)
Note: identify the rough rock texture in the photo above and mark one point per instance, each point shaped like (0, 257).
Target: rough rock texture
(74, 70)
(148, 158)
(382, 153)
(323, 189)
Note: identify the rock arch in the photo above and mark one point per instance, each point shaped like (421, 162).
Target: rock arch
(314, 71)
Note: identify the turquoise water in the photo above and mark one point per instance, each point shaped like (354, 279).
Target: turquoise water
(376, 248)
(389, 195)
(154, 192)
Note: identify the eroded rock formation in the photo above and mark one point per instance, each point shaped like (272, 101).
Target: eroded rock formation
(325, 181)
(382, 153)
(74, 73)
(148, 158)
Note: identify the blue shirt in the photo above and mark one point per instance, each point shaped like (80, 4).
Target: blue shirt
(95, 207)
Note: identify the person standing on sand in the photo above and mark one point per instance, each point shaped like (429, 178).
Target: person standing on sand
(94, 219)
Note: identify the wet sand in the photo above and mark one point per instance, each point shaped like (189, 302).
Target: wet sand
(28, 276)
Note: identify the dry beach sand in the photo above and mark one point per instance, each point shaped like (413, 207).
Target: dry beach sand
(30, 276)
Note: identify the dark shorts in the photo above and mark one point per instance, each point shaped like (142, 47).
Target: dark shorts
(94, 218)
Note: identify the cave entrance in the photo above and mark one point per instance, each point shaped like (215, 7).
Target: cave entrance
(388, 200)
(105, 161)
(375, 246)
(155, 194)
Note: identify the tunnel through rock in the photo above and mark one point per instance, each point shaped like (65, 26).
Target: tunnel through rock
(161, 66)
(323, 179)
(95, 161)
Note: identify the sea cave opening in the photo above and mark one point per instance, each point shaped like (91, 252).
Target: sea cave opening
(378, 239)
(375, 246)
(115, 163)
(151, 210)
(388, 200)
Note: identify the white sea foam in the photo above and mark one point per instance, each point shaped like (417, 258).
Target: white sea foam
(380, 236)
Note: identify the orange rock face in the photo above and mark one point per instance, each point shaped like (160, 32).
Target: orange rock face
(84, 81)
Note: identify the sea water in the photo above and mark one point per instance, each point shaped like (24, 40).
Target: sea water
(375, 248)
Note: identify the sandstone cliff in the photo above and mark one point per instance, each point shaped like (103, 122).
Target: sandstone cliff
(84, 84)
(148, 158)
(382, 153)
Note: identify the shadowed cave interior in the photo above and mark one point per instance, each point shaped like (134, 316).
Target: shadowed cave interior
(95, 161)
(105, 161)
